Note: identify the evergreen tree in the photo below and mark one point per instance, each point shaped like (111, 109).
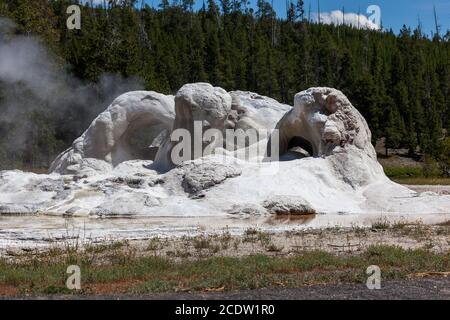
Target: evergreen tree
(400, 83)
(299, 10)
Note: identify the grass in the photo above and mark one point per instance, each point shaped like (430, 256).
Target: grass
(381, 224)
(416, 231)
(423, 181)
(414, 176)
(110, 270)
(403, 172)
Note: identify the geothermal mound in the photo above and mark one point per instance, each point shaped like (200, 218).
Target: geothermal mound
(313, 158)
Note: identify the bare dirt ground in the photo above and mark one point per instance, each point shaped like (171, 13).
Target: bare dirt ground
(423, 289)
(430, 288)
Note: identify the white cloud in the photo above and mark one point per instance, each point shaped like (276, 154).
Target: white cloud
(335, 17)
(94, 2)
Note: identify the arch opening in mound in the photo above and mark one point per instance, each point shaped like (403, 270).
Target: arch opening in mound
(140, 141)
(132, 127)
(297, 148)
(300, 147)
(325, 122)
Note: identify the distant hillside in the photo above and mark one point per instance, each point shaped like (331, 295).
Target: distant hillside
(400, 83)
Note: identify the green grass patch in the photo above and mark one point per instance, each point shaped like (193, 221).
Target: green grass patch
(414, 176)
(403, 172)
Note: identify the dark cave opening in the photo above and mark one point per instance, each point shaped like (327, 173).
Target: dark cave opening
(298, 148)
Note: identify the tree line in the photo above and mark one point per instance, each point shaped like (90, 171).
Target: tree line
(398, 81)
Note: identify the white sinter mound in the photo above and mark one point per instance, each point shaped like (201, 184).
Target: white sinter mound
(119, 134)
(122, 164)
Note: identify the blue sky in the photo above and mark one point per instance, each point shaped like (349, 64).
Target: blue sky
(394, 13)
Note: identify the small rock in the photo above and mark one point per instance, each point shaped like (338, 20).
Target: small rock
(206, 175)
(285, 205)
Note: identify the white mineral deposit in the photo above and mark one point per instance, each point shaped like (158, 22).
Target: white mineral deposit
(122, 167)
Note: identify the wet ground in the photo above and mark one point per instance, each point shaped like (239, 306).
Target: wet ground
(44, 230)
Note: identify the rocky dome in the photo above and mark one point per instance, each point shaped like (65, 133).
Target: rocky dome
(122, 166)
(322, 122)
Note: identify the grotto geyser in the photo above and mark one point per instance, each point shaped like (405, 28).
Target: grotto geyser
(123, 166)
